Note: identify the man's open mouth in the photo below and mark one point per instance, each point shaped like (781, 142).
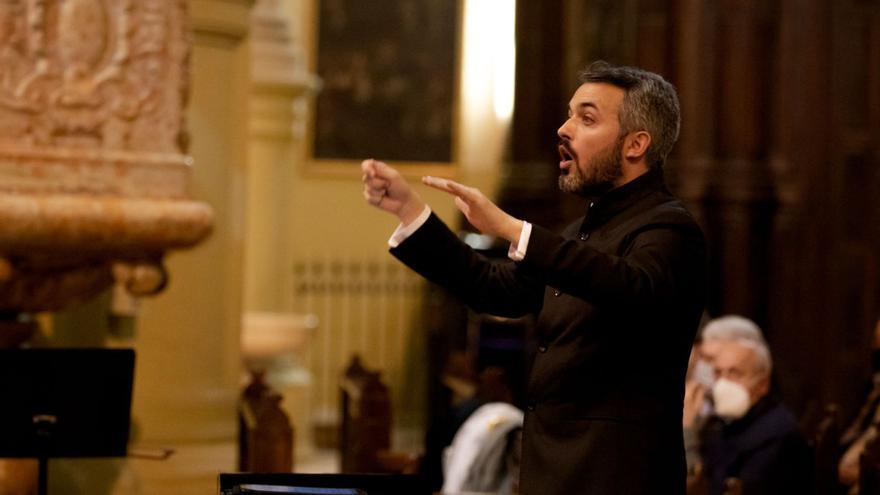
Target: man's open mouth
(566, 157)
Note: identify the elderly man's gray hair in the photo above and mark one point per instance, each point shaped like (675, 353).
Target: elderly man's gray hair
(763, 364)
(732, 327)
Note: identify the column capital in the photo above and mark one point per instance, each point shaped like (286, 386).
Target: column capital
(279, 73)
(278, 61)
(224, 19)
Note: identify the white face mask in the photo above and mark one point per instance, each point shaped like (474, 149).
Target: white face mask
(704, 373)
(731, 399)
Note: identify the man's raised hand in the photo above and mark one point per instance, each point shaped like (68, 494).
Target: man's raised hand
(480, 212)
(387, 190)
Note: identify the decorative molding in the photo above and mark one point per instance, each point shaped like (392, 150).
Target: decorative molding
(225, 19)
(279, 73)
(91, 226)
(102, 74)
(152, 175)
(60, 249)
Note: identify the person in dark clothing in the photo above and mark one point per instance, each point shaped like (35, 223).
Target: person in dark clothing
(753, 437)
(863, 428)
(618, 293)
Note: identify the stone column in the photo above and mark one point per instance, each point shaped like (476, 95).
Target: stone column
(279, 80)
(188, 363)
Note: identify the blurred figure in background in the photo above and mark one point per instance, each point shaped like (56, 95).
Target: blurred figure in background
(483, 457)
(864, 427)
(751, 436)
(701, 377)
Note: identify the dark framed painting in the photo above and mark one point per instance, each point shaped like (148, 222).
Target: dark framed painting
(389, 72)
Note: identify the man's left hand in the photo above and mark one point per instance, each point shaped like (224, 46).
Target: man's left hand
(480, 212)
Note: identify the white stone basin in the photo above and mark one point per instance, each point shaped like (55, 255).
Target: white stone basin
(266, 336)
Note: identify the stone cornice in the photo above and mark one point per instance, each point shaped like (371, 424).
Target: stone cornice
(226, 19)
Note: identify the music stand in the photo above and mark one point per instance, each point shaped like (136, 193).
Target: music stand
(64, 403)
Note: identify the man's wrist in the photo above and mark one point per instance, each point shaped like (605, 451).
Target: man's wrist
(411, 210)
(513, 231)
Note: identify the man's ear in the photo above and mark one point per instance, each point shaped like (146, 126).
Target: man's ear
(635, 147)
(761, 388)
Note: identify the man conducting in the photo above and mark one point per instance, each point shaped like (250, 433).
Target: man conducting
(618, 293)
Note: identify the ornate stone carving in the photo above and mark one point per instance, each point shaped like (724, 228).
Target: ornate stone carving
(92, 144)
(104, 74)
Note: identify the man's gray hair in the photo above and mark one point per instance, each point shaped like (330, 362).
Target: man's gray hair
(744, 332)
(763, 361)
(650, 104)
(732, 327)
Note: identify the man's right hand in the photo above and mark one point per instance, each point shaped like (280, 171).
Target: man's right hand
(387, 190)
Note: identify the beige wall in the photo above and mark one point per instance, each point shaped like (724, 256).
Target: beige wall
(300, 215)
(328, 214)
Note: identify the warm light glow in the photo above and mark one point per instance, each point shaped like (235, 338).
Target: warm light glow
(490, 54)
(503, 71)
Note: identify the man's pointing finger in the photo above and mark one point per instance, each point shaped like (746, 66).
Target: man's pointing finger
(447, 185)
(437, 183)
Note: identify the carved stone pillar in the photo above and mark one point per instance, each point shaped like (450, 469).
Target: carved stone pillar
(93, 164)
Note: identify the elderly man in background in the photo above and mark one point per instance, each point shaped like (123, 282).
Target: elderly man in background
(701, 376)
(751, 436)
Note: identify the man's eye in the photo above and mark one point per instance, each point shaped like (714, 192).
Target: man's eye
(587, 119)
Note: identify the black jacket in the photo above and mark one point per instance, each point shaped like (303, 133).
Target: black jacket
(618, 295)
(764, 449)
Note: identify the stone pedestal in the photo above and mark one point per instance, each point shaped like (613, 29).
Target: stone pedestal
(273, 345)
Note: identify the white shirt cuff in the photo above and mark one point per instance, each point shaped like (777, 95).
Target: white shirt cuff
(403, 231)
(517, 251)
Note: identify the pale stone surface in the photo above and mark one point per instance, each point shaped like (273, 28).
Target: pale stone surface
(99, 225)
(93, 74)
(97, 185)
(93, 164)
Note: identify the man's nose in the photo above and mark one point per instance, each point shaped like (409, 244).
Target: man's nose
(562, 132)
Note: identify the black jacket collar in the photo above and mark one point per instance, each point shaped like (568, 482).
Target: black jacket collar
(611, 203)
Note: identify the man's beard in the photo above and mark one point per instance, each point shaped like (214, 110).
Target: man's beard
(600, 174)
